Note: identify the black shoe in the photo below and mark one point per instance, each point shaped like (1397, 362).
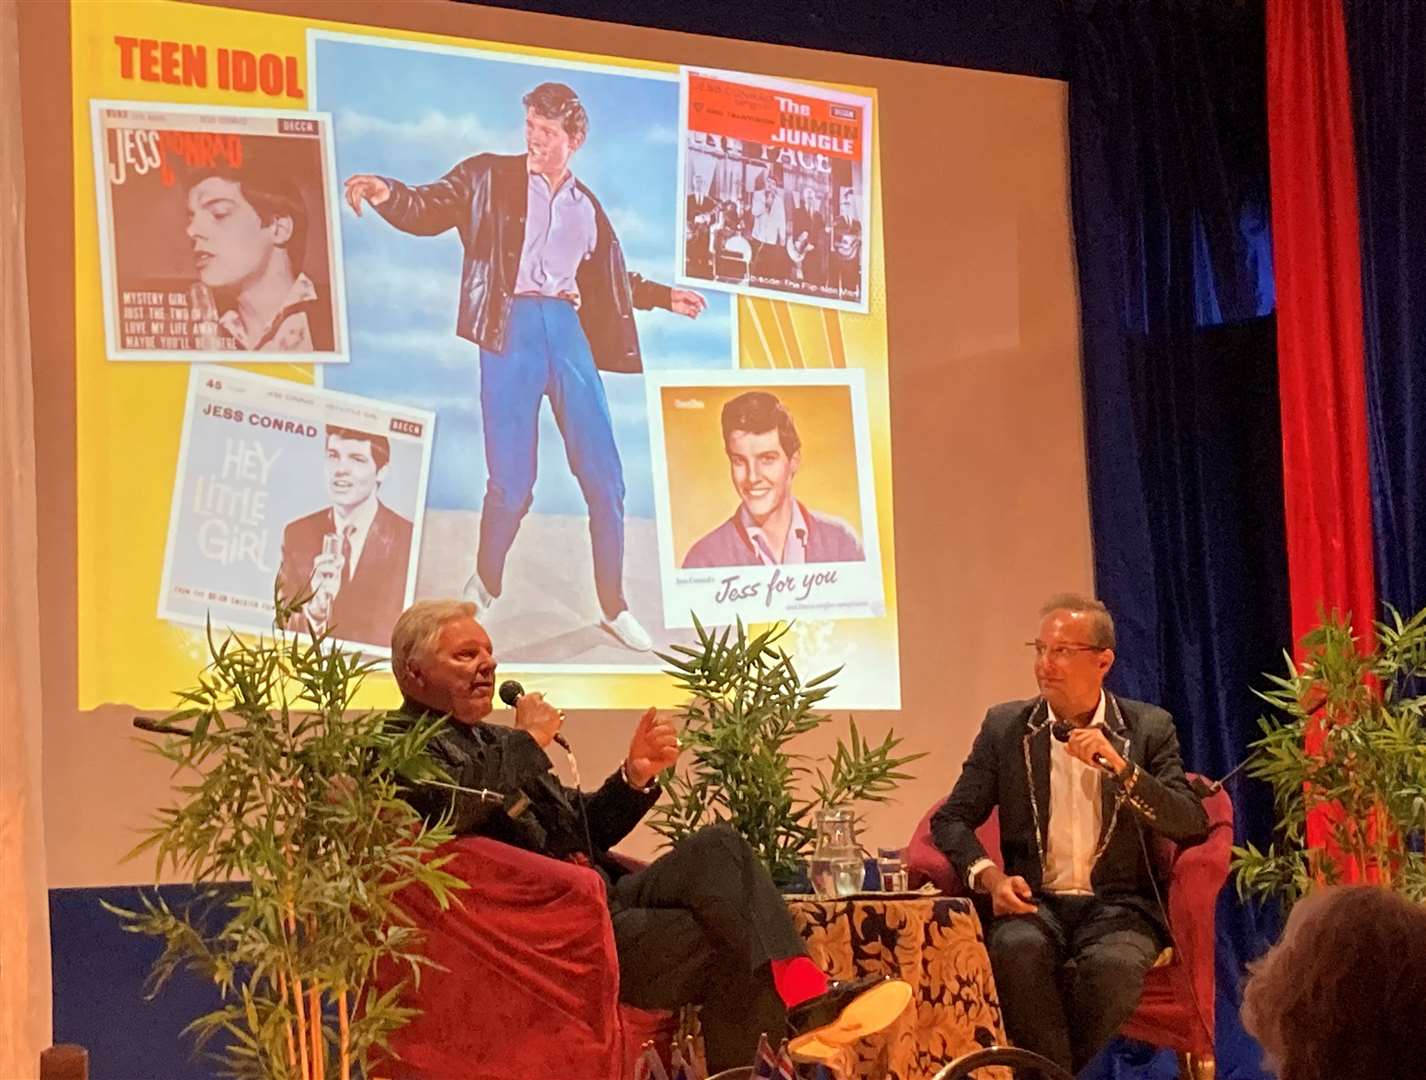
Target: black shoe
(845, 1012)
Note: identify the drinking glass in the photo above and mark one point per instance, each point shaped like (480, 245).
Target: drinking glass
(888, 865)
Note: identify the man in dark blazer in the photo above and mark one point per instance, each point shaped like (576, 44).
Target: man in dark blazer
(350, 560)
(1079, 776)
(702, 924)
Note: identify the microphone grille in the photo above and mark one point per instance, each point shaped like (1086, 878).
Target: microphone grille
(1059, 729)
(511, 692)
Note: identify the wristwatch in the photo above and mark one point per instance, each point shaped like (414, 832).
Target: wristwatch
(1128, 776)
(624, 776)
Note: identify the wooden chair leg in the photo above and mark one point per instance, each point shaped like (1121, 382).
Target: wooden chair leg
(1196, 1067)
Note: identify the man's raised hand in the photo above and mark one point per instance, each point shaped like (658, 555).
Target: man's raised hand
(653, 749)
(373, 189)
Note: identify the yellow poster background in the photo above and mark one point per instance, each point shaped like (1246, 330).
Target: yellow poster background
(701, 494)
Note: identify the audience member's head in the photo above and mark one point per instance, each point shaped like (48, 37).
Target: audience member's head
(1343, 995)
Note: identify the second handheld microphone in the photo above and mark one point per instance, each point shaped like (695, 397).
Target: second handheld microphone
(1060, 730)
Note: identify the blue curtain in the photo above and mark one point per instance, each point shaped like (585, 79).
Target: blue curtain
(1386, 45)
(1168, 162)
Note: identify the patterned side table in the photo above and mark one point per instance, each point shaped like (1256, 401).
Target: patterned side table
(935, 943)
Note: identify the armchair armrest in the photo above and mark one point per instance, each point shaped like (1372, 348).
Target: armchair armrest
(1196, 876)
(1197, 873)
(535, 925)
(924, 861)
(527, 947)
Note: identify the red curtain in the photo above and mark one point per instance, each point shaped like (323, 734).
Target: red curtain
(1321, 367)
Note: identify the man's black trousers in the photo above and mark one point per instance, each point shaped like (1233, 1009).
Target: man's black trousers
(1070, 975)
(700, 925)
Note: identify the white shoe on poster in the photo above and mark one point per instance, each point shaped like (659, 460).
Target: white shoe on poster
(627, 629)
(476, 593)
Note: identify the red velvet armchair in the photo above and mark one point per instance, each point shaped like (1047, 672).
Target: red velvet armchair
(530, 986)
(1176, 1010)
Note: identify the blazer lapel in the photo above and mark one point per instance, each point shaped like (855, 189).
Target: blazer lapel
(1111, 794)
(1036, 745)
(374, 550)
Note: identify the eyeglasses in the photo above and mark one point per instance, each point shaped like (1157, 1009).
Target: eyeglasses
(1058, 654)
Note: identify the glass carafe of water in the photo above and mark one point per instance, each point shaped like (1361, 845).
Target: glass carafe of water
(836, 867)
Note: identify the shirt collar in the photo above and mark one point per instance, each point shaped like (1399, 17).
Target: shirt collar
(797, 527)
(361, 517)
(1096, 721)
(301, 291)
(570, 182)
(418, 710)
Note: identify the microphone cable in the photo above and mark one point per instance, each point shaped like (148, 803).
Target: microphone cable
(511, 692)
(1168, 922)
(579, 798)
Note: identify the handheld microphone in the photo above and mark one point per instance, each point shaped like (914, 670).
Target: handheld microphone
(511, 692)
(1061, 731)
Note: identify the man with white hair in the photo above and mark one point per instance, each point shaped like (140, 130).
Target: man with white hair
(703, 924)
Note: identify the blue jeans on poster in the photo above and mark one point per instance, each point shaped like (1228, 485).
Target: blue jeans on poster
(547, 354)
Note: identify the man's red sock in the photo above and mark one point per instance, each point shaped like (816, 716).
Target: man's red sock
(797, 979)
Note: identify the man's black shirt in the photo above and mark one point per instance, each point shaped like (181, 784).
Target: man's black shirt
(508, 761)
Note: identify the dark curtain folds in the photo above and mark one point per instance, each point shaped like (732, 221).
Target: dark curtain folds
(1168, 156)
(1386, 50)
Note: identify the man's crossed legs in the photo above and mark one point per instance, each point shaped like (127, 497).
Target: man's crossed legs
(705, 925)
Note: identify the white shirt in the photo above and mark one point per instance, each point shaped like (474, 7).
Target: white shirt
(1076, 817)
(287, 331)
(560, 230)
(769, 218)
(359, 521)
(794, 548)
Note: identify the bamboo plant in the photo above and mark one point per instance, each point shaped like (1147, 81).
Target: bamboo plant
(1346, 748)
(746, 705)
(289, 820)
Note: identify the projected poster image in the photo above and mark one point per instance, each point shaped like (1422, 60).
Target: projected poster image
(305, 492)
(488, 238)
(529, 341)
(776, 189)
(767, 509)
(217, 234)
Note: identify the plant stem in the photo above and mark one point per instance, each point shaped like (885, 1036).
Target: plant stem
(289, 922)
(301, 1027)
(287, 1027)
(345, 1035)
(319, 1048)
(314, 1012)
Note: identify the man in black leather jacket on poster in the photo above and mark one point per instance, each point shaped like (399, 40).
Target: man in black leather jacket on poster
(702, 924)
(546, 296)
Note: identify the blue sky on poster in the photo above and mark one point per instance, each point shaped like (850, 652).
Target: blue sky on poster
(413, 114)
